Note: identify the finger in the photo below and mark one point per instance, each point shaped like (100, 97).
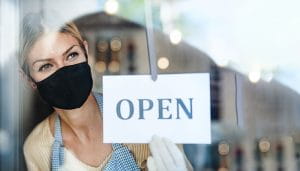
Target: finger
(176, 154)
(156, 155)
(166, 156)
(151, 164)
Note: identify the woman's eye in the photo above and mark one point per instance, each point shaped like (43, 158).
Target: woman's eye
(45, 67)
(72, 55)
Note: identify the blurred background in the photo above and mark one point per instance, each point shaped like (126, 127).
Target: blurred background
(249, 47)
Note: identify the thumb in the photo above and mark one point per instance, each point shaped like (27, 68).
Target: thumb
(151, 164)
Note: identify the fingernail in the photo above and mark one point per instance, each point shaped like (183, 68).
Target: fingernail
(155, 137)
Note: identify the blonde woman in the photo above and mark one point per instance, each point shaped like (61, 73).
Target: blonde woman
(55, 62)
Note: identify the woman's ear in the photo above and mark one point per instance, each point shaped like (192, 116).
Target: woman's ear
(27, 79)
(33, 85)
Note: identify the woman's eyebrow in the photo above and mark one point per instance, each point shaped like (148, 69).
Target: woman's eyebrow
(41, 60)
(68, 50)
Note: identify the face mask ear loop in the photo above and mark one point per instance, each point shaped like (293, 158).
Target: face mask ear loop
(32, 79)
(86, 56)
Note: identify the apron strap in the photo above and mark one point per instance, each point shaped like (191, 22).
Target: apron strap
(57, 147)
(99, 99)
(121, 159)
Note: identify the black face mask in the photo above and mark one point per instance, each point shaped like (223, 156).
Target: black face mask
(68, 87)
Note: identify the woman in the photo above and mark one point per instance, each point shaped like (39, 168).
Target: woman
(55, 61)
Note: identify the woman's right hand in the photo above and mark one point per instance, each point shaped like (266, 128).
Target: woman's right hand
(166, 156)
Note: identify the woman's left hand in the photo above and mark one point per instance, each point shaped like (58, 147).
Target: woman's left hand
(166, 156)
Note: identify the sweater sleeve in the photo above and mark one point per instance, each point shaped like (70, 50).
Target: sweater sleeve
(37, 148)
(140, 153)
(31, 166)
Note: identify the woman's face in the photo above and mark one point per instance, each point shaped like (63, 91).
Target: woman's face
(51, 52)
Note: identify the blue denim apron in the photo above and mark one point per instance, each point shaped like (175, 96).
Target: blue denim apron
(121, 158)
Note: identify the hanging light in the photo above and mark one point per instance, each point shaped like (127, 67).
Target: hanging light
(115, 44)
(255, 74)
(223, 148)
(269, 76)
(264, 145)
(100, 66)
(163, 62)
(175, 36)
(111, 6)
(102, 46)
(114, 66)
(222, 62)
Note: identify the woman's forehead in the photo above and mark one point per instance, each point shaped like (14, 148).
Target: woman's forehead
(50, 45)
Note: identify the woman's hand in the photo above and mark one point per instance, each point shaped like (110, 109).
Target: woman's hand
(166, 156)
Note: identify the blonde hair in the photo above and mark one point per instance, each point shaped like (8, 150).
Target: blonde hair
(33, 27)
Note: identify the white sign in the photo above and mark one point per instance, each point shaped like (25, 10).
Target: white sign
(176, 106)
